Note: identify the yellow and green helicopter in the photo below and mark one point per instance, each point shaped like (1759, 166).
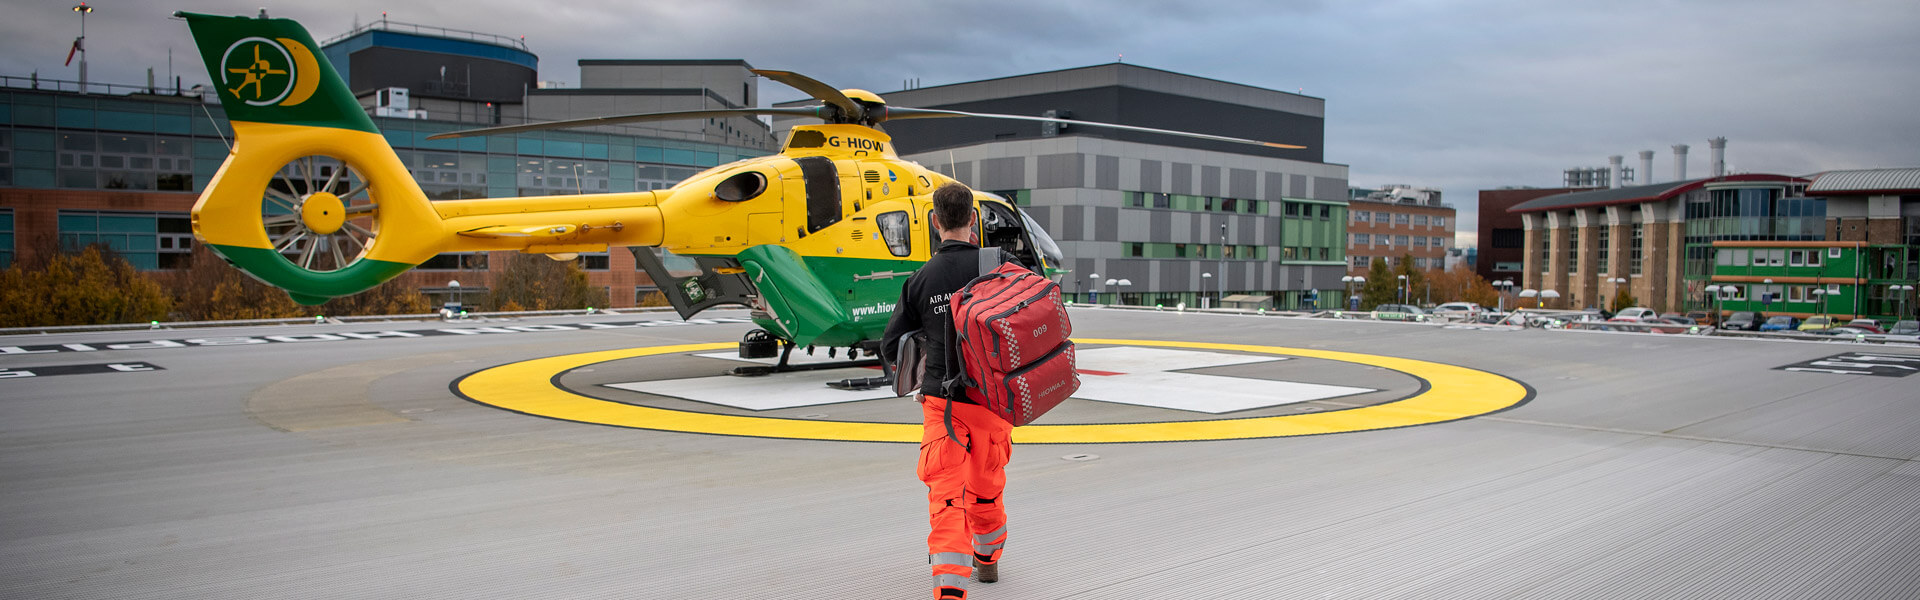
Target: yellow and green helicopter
(815, 240)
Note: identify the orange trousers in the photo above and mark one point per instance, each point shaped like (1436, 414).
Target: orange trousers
(964, 485)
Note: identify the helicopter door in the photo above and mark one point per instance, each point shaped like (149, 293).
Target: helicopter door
(823, 191)
(1001, 226)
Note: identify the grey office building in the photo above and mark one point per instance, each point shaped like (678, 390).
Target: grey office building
(1180, 218)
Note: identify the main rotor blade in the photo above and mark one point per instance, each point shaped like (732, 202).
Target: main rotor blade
(806, 111)
(820, 91)
(896, 113)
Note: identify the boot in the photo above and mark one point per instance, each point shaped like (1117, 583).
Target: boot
(985, 572)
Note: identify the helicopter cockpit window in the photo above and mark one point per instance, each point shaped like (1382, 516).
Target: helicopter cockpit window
(1043, 242)
(896, 231)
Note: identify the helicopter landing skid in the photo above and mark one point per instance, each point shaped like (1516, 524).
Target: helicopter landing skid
(784, 366)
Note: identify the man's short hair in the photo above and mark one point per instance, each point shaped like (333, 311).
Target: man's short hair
(952, 206)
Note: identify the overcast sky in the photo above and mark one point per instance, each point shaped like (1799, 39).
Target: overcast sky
(1457, 95)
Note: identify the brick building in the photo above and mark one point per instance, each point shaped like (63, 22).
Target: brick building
(1396, 222)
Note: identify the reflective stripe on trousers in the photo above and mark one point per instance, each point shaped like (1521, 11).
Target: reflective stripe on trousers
(989, 544)
(964, 486)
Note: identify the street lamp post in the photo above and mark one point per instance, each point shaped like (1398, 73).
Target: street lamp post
(1204, 277)
(1901, 291)
(1546, 294)
(80, 44)
(1715, 294)
(1093, 295)
(1223, 263)
(1403, 288)
(1819, 301)
(1122, 283)
(1500, 300)
(1348, 280)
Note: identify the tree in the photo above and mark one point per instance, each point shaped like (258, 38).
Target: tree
(1461, 284)
(209, 289)
(92, 286)
(1381, 287)
(1622, 299)
(390, 298)
(535, 282)
(1415, 284)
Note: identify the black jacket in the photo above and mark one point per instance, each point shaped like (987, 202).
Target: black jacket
(924, 306)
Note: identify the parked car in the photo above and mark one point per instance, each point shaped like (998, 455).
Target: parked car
(1817, 323)
(1905, 327)
(1867, 324)
(1635, 314)
(1780, 323)
(1744, 321)
(1399, 312)
(1704, 317)
(1458, 311)
(1684, 323)
(1845, 331)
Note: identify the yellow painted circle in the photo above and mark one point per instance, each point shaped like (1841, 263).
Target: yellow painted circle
(1451, 393)
(323, 213)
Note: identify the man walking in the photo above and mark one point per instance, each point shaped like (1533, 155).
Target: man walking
(964, 448)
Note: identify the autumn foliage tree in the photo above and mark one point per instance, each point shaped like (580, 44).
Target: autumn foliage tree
(90, 287)
(209, 289)
(535, 282)
(1461, 284)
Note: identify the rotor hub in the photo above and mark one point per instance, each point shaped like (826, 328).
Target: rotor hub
(323, 213)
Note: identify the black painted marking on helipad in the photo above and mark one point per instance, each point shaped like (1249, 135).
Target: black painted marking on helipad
(348, 336)
(1877, 364)
(87, 369)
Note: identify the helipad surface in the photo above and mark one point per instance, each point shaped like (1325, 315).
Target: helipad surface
(337, 461)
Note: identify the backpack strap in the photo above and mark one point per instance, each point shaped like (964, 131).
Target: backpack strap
(989, 260)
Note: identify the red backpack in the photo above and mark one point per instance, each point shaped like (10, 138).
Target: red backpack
(1011, 331)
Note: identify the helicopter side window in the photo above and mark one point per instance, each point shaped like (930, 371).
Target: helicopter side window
(894, 229)
(933, 230)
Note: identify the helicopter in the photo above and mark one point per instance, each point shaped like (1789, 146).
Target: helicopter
(815, 241)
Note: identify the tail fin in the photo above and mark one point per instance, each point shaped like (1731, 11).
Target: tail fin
(270, 71)
(323, 231)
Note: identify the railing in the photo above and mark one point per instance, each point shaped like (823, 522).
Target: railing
(460, 34)
(433, 316)
(35, 82)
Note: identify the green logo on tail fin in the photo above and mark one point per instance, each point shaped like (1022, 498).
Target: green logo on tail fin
(268, 71)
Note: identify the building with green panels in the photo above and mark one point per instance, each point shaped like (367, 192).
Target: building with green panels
(1168, 220)
(1865, 264)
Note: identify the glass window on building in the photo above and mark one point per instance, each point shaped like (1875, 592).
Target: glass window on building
(1360, 216)
(559, 176)
(1163, 200)
(6, 158)
(1420, 220)
(147, 240)
(6, 238)
(455, 261)
(1362, 239)
(1358, 261)
(1326, 212)
(1293, 209)
(595, 261)
(125, 162)
(1813, 258)
(1546, 248)
(1573, 249)
(1439, 221)
(1402, 218)
(1400, 240)
(1605, 253)
(1136, 249)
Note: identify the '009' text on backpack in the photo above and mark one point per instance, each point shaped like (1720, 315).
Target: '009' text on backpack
(1011, 330)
